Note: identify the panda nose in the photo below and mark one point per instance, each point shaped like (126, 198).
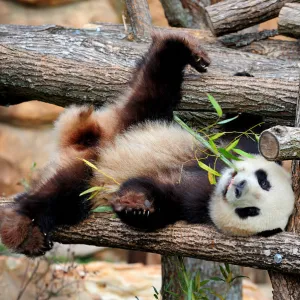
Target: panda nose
(239, 188)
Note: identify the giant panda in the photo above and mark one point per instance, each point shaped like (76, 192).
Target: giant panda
(146, 165)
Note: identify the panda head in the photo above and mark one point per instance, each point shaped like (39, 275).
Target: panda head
(256, 198)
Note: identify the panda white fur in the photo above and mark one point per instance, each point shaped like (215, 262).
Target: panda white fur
(147, 165)
(257, 198)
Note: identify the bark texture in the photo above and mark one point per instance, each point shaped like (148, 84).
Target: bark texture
(280, 143)
(84, 67)
(287, 286)
(289, 20)
(140, 18)
(198, 241)
(275, 49)
(186, 13)
(231, 15)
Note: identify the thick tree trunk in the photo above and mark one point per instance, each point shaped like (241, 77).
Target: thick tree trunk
(287, 286)
(231, 15)
(289, 20)
(280, 143)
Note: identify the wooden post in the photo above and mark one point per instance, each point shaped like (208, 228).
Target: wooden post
(286, 286)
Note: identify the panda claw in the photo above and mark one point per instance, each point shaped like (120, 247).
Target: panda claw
(148, 212)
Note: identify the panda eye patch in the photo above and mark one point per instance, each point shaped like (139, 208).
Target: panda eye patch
(262, 179)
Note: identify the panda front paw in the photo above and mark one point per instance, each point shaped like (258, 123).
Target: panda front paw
(21, 234)
(133, 204)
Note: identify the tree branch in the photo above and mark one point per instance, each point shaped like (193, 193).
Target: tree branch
(198, 241)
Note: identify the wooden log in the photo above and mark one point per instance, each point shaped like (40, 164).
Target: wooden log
(76, 68)
(240, 40)
(140, 18)
(189, 240)
(280, 143)
(286, 286)
(289, 20)
(231, 15)
(186, 13)
(275, 49)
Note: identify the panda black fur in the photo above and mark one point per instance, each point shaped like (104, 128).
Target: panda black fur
(147, 165)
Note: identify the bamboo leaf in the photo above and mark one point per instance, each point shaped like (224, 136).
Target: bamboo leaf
(89, 164)
(211, 178)
(228, 154)
(217, 279)
(91, 190)
(227, 267)
(243, 153)
(216, 136)
(225, 275)
(232, 145)
(215, 104)
(236, 277)
(101, 209)
(213, 146)
(227, 120)
(207, 168)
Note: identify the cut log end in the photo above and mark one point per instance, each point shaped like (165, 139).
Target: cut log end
(268, 146)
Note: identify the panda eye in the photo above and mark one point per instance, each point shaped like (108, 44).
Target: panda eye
(261, 176)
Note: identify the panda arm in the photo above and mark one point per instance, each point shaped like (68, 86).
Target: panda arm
(147, 204)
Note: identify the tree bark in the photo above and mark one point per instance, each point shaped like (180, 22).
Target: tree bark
(140, 18)
(280, 143)
(286, 286)
(289, 20)
(186, 13)
(191, 240)
(275, 49)
(239, 40)
(231, 15)
(55, 68)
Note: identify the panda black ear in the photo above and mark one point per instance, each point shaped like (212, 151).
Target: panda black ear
(278, 162)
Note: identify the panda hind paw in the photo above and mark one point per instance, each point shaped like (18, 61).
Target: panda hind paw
(22, 235)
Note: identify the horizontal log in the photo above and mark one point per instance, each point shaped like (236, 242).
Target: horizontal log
(275, 49)
(289, 20)
(198, 241)
(244, 39)
(78, 68)
(231, 15)
(280, 143)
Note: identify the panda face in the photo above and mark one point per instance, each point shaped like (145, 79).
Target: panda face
(254, 198)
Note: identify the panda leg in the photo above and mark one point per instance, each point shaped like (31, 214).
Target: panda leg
(27, 224)
(156, 84)
(145, 204)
